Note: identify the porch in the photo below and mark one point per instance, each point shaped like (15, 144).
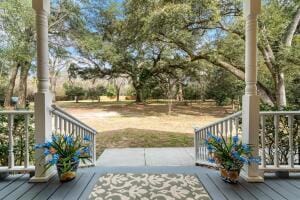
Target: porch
(18, 187)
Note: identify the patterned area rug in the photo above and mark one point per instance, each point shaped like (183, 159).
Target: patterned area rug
(148, 186)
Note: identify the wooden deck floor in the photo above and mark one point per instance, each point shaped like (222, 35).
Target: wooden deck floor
(17, 186)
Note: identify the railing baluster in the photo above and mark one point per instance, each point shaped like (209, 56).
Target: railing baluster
(55, 123)
(94, 148)
(11, 156)
(226, 129)
(230, 127)
(291, 139)
(26, 158)
(196, 145)
(60, 124)
(222, 128)
(65, 127)
(236, 125)
(263, 129)
(276, 156)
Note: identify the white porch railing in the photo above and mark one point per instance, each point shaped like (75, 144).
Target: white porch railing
(63, 123)
(11, 115)
(279, 139)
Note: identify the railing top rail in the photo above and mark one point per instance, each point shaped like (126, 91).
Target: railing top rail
(59, 111)
(237, 114)
(297, 112)
(16, 112)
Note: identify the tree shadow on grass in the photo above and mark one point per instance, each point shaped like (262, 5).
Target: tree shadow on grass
(131, 109)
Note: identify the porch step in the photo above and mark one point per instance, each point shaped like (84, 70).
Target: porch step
(147, 157)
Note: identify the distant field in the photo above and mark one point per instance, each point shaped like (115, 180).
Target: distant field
(127, 124)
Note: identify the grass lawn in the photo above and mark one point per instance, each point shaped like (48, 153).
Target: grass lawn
(127, 124)
(142, 138)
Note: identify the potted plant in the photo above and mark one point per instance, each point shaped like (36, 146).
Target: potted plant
(66, 152)
(230, 156)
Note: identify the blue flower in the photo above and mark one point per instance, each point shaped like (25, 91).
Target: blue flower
(255, 160)
(47, 144)
(235, 154)
(47, 152)
(54, 159)
(86, 149)
(246, 148)
(54, 138)
(87, 138)
(243, 159)
(68, 140)
(211, 160)
(210, 148)
(235, 139)
(38, 146)
(75, 158)
(218, 139)
(77, 153)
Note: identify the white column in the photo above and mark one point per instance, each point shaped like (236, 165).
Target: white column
(42, 102)
(251, 99)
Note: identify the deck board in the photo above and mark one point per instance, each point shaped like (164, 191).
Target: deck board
(19, 191)
(49, 190)
(36, 189)
(65, 188)
(12, 187)
(211, 188)
(255, 191)
(228, 190)
(4, 183)
(17, 187)
(78, 189)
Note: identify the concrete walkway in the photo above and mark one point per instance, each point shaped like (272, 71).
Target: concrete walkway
(147, 157)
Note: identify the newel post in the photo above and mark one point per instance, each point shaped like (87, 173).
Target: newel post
(42, 102)
(251, 99)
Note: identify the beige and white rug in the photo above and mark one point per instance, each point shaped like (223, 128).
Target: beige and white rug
(148, 187)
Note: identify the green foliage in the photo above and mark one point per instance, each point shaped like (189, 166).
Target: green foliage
(229, 153)
(95, 92)
(223, 86)
(19, 139)
(74, 91)
(110, 91)
(65, 150)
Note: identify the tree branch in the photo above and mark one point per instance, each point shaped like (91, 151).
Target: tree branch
(289, 34)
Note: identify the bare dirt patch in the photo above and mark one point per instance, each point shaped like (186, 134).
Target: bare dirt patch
(113, 116)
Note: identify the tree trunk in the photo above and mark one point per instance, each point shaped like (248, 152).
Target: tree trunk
(23, 84)
(11, 86)
(118, 93)
(138, 90)
(139, 95)
(280, 91)
(180, 93)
